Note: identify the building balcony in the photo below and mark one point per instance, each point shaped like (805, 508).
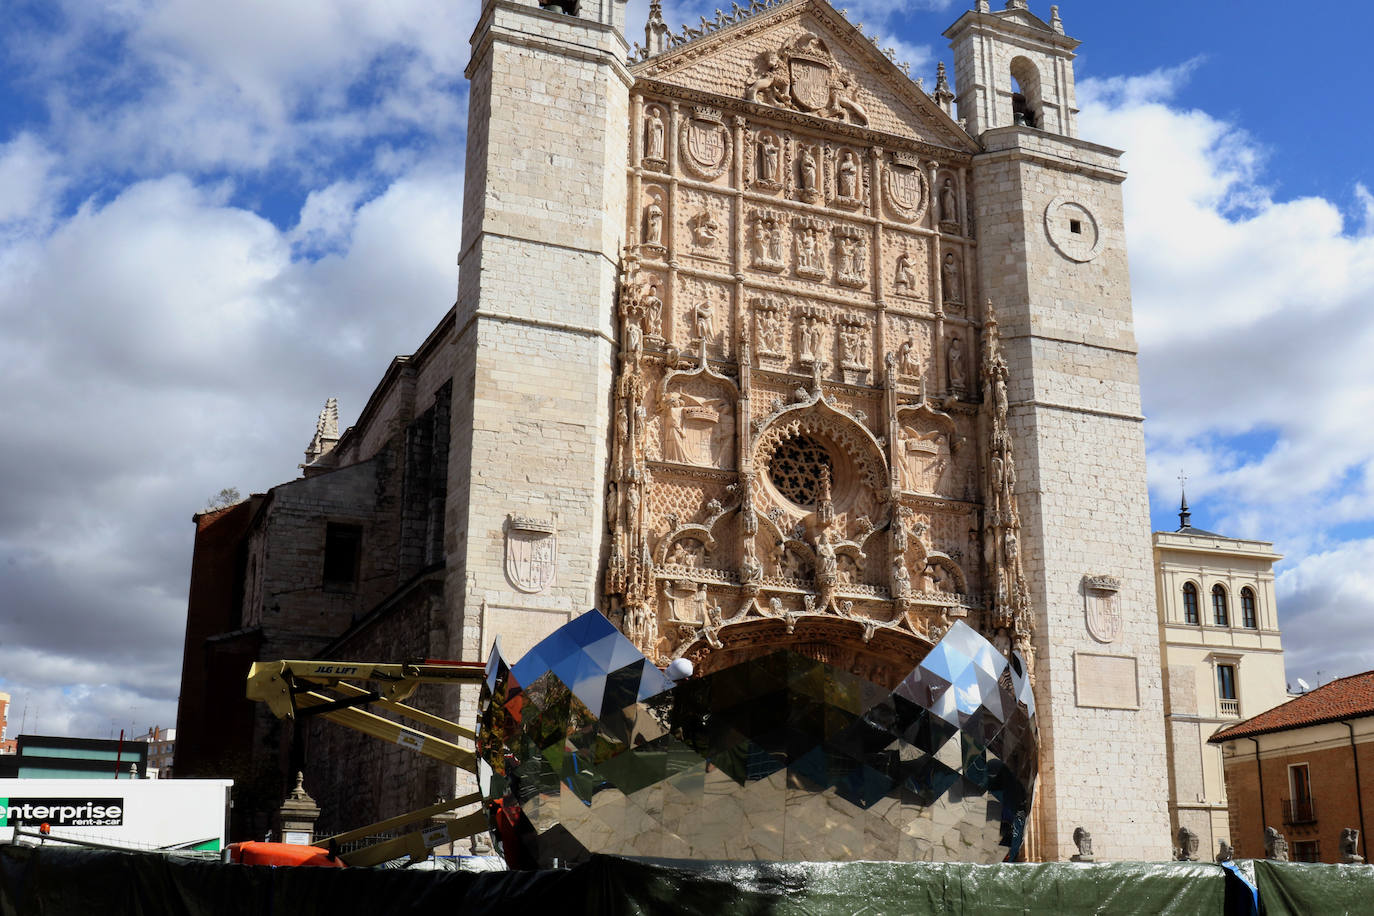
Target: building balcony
(1299, 811)
(1230, 709)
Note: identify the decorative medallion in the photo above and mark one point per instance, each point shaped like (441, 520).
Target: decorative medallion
(905, 188)
(706, 144)
(810, 73)
(531, 553)
(1103, 600)
(1073, 230)
(804, 75)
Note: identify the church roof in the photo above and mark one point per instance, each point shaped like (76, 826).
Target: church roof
(1199, 532)
(724, 56)
(1345, 698)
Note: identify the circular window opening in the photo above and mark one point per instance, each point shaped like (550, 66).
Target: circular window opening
(797, 468)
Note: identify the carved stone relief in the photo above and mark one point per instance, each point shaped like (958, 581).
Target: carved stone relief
(851, 256)
(1103, 607)
(811, 324)
(803, 75)
(809, 235)
(849, 180)
(905, 189)
(705, 143)
(766, 242)
(770, 334)
(531, 553)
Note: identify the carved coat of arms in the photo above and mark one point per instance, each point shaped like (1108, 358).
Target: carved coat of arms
(1102, 594)
(706, 144)
(531, 554)
(810, 82)
(905, 187)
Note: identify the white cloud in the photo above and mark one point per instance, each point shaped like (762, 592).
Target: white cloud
(1253, 325)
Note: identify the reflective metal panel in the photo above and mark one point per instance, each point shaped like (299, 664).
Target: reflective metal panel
(781, 757)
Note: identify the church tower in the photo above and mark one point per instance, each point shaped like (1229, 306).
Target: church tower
(543, 222)
(1052, 263)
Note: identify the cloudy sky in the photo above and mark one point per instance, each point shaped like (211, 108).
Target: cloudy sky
(215, 216)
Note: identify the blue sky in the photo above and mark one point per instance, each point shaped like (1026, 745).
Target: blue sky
(215, 216)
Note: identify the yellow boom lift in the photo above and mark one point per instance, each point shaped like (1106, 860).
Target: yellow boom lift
(341, 692)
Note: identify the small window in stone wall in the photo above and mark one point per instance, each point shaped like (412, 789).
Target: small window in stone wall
(1247, 609)
(1307, 851)
(342, 553)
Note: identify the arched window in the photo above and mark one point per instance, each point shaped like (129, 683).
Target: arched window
(1025, 93)
(1190, 603)
(1219, 613)
(1248, 617)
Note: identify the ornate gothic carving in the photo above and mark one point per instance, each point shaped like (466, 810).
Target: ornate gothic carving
(851, 256)
(905, 188)
(766, 240)
(803, 75)
(531, 553)
(809, 233)
(1011, 610)
(705, 143)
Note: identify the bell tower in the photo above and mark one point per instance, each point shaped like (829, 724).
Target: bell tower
(543, 225)
(1013, 68)
(1052, 264)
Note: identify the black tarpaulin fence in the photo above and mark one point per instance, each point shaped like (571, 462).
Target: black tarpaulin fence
(55, 882)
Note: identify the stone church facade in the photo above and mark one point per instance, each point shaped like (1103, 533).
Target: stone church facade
(757, 344)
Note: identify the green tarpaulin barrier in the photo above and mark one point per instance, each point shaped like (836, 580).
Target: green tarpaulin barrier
(1329, 890)
(49, 881)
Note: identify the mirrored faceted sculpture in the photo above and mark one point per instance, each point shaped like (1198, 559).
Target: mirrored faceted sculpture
(585, 746)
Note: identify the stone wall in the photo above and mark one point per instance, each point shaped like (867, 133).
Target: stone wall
(1053, 262)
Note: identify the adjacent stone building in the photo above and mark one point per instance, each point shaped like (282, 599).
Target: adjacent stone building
(1223, 660)
(757, 344)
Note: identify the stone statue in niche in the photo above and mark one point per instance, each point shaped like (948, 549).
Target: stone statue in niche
(765, 241)
(642, 623)
(847, 180)
(703, 322)
(827, 565)
(653, 312)
(849, 570)
(750, 570)
(806, 250)
(653, 224)
(809, 171)
(905, 281)
(951, 280)
(957, 379)
(769, 332)
(854, 350)
(844, 263)
(901, 578)
(653, 136)
(949, 207)
(769, 155)
(907, 361)
(758, 241)
(812, 347)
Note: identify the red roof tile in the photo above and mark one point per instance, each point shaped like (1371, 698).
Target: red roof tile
(1344, 698)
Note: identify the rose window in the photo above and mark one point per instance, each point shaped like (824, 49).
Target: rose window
(797, 468)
